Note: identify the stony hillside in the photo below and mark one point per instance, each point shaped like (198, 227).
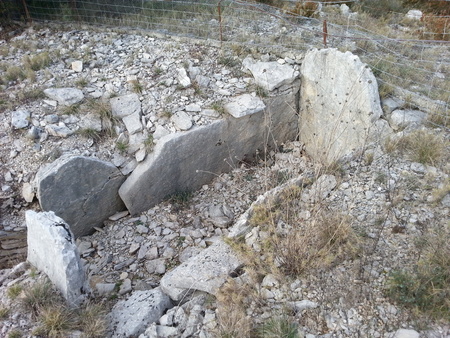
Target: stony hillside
(338, 250)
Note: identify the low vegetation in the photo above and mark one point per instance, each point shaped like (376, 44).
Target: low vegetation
(54, 317)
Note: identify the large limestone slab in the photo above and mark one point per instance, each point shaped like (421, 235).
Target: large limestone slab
(52, 249)
(339, 103)
(187, 160)
(81, 190)
(205, 272)
(132, 316)
(65, 96)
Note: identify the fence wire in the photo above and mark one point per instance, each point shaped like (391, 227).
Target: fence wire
(410, 58)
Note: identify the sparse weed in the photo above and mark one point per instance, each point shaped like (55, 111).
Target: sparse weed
(420, 146)
(426, 288)
(136, 86)
(55, 320)
(218, 107)
(167, 114)
(149, 142)
(31, 95)
(261, 92)
(14, 291)
(90, 133)
(81, 82)
(4, 312)
(92, 320)
(228, 60)
(14, 73)
(122, 146)
(37, 62)
(279, 326)
(39, 295)
(73, 109)
(15, 333)
(180, 198)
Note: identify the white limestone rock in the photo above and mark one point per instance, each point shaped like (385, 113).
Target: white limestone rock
(52, 249)
(131, 317)
(125, 105)
(20, 118)
(205, 272)
(270, 75)
(404, 118)
(182, 121)
(65, 96)
(339, 104)
(243, 105)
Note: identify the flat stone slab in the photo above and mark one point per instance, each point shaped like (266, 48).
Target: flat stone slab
(125, 105)
(403, 118)
(65, 96)
(271, 75)
(132, 316)
(205, 272)
(52, 250)
(81, 190)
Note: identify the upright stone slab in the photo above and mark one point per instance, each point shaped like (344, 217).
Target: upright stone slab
(339, 103)
(52, 250)
(185, 161)
(81, 190)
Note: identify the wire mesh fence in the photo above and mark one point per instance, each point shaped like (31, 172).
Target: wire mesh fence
(409, 56)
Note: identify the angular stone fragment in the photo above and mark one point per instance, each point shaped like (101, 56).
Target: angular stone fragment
(52, 249)
(339, 103)
(243, 105)
(205, 272)
(400, 118)
(132, 316)
(125, 105)
(270, 75)
(81, 190)
(20, 118)
(65, 96)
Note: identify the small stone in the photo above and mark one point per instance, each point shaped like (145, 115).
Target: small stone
(77, 66)
(118, 216)
(183, 78)
(405, 333)
(134, 248)
(125, 287)
(182, 121)
(157, 266)
(105, 288)
(20, 118)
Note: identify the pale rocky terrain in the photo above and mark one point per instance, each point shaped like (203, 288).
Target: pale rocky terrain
(132, 253)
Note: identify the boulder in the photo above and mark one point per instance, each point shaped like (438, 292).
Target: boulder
(52, 250)
(339, 103)
(65, 96)
(205, 272)
(81, 190)
(132, 316)
(404, 118)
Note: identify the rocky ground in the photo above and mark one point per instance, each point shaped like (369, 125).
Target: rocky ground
(391, 201)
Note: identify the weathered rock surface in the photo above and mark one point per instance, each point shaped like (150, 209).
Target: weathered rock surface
(205, 272)
(270, 75)
(405, 333)
(65, 96)
(52, 249)
(132, 316)
(20, 118)
(125, 105)
(400, 118)
(243, 105)
(81, 190)
(339, 102)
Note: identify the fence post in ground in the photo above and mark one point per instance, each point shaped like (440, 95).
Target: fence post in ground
(219, 9)
(27, 14)
(325, 33)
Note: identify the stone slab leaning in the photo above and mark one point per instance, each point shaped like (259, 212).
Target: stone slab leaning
(81, 190)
